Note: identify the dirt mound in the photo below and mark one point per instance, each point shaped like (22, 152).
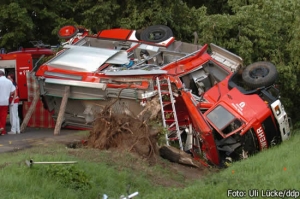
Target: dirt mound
(138, 134)
(126, 132)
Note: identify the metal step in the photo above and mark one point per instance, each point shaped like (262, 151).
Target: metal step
(172, 101)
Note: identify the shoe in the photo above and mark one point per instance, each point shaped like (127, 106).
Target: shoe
(18, 132)
(11, 133)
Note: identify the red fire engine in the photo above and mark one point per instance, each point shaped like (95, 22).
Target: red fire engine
(22, 63)
(212, 106)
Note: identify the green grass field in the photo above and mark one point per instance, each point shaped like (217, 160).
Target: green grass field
(106, 172)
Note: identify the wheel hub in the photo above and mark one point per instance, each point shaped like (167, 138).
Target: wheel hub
(259, 72)
(156, 35)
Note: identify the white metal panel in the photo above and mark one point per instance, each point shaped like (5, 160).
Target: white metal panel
(76, 83)
(120, 57)
(132, 36)
(282, 119)
(89, 59)
(135, 72)
(8, 63)
(223, 56)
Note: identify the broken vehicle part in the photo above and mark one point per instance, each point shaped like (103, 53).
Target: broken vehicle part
(30, 162)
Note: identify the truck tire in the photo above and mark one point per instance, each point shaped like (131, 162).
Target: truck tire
(260, 74)
(156, 33)
(138, 34)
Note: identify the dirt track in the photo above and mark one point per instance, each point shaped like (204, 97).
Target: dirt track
(36, 136)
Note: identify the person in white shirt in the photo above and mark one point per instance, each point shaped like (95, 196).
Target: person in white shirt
(6, 90)
(13, 107)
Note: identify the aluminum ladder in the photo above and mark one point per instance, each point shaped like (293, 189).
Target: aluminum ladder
(171, 100)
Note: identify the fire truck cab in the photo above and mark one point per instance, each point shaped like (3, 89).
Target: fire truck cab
(235, 120)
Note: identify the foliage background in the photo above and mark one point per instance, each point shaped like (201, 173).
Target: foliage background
(254, 29)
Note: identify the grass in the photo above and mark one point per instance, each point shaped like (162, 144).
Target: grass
(104, 175)
(273, 169)
(107, 172)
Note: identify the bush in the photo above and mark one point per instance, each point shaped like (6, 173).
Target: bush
(69, 176)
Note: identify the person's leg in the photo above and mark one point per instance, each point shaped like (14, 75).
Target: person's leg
(13, 121)
(20, 112)
(1, 119)
(11, 117)
(17, 119)
(3, 115)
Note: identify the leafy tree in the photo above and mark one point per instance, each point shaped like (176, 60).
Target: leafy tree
(15, 25)
(254, 29)
(213, 6)
(262, 30)
(97, 15)
(173, 13)
(48, 17)
(24, 21)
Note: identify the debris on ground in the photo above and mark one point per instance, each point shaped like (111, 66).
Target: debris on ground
(134, 134)
(126, 132)
(175, 155)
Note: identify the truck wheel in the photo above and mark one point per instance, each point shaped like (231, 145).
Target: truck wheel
(156, 33)
(260, 74)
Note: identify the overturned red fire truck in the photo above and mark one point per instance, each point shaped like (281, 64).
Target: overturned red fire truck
(213, 106)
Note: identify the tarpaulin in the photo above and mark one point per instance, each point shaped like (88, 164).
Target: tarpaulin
(40, 117)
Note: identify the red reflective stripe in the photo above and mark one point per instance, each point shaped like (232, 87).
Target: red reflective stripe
(16, 100)
(17, 97)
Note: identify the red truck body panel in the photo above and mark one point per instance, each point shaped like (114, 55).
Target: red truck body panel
(118, 33)
(34, 52)
(21, 63)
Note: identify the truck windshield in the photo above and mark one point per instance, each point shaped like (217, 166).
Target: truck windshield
(223, 120)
